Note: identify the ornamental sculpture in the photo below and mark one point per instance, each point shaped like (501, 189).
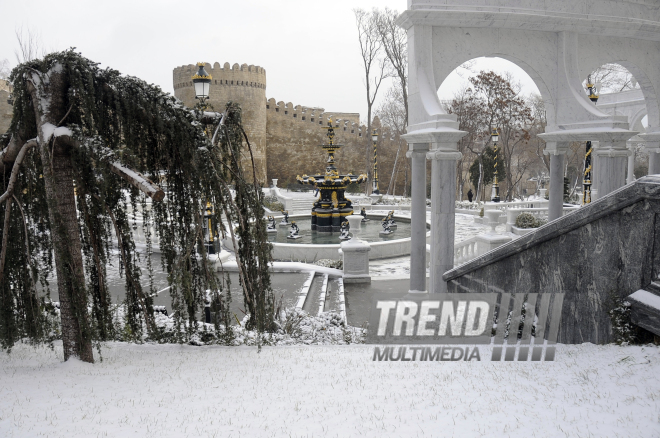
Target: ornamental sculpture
(331, 208)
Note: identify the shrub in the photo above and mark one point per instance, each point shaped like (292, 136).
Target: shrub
(527, 220)
(481, 212)
(273, 204)
(329, 263)
(624, 332)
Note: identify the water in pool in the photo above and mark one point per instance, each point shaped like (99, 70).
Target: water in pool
(369, 231)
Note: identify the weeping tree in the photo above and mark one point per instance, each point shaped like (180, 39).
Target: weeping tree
(86, 149)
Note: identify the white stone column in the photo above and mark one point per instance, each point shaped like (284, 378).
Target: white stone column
(595, 171)
(653, 148)
(555, 207)
(418, 217)
(652, 140)
(631, 163)
(443, 207)
(612, 160)
(556, 150)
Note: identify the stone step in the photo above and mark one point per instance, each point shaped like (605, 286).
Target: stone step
(654, 288)
(645, 310)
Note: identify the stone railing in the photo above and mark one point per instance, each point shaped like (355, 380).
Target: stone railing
(465, 251)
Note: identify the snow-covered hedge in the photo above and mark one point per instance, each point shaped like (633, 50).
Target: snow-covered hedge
(527, 220)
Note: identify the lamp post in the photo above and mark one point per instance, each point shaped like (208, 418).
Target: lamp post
(202, 82)
(586, 194)
(374, 138)
(495, 191)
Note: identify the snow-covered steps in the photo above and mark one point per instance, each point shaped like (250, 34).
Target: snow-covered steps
(304, 291)
(322, 296)
(311, 305)
(645, 308)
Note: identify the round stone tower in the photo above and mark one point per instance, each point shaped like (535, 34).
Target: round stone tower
(246, 85)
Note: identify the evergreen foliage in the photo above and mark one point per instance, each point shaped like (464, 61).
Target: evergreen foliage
(108, 118)
(488, 168)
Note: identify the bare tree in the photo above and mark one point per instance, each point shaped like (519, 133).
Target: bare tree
(613, 78)
(392, 113)
(470, 111)
(375, 69)
(30, 46)
(395, 43)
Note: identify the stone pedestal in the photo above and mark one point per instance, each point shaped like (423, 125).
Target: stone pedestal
(355, 254)
(375, 198)
(490, 241)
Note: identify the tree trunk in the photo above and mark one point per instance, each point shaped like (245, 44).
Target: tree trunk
(50, 92)
(76, 336)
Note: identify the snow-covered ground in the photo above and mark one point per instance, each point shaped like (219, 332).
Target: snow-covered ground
(335, 391)
(399, 267)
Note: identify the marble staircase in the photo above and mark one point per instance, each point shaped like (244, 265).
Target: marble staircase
(645, 308)
(609, 246)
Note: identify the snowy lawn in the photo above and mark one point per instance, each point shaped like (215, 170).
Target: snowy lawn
(186, 391)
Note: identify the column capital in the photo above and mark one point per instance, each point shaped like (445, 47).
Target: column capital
(556, 148)
(439, 154)
(417, 150)
(612, 152)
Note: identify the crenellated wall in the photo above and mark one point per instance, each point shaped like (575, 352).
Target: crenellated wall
(245, 84)
(286, 137)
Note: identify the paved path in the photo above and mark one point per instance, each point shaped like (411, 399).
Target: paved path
(359, 296)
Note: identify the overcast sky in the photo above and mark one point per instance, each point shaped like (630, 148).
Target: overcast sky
(309, 49)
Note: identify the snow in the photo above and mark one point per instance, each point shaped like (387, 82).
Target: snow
(646, 298)
(335, 391)
(49, 130)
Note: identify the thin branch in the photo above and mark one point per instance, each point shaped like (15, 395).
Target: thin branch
(17, 165)
(5, 237)
(27, 243)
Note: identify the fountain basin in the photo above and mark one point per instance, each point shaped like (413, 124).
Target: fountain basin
(389, 246)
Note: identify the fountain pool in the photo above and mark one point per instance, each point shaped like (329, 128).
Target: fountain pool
(316, 246)
(369, 231)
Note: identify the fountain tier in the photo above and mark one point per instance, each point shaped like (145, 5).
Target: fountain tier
(331, 207)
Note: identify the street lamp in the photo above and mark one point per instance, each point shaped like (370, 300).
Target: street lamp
(495, 191)
(202, 82)
(586, 194)
(374, 137)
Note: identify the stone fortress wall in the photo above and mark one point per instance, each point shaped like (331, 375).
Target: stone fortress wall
(285, 137)
(245, 84)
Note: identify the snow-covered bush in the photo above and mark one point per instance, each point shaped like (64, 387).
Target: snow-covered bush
(624, 332)
(273, 203)
(329, 263)
(467, 205)
(527, 220)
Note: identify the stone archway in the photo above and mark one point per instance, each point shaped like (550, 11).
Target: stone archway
(556, 42)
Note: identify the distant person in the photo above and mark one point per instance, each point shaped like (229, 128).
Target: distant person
(316, 190)
(470, 195)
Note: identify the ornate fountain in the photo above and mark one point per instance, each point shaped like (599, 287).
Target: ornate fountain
(331, 207)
